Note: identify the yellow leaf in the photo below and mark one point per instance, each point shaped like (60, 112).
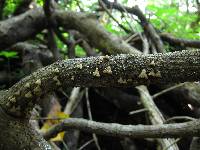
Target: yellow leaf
(59, 137)
(48, 123)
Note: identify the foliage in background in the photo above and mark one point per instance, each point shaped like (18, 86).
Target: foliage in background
(170, 19)
(8, 54)
(10, 7)
(166, 16)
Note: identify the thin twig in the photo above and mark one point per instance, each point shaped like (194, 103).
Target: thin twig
(86, 144)
(111, 16)
(155, 116)
(175, 141)
(90, 117)
(48, 118)
(168, 89)
(138, 111)
(179, 118)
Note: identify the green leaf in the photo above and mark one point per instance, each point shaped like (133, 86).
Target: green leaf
(79, 51)
(9, 54)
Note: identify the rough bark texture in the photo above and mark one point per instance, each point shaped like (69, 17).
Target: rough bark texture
(25, 26)
(155, 117)
(180, 42)
(119, 71)
(21, 28)
(187, 129)
(18, 134)
(95, 33)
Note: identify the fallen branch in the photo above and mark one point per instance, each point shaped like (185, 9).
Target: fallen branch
(102, 71)
(187, 129)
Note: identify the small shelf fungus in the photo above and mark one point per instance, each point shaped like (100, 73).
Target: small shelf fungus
(27, 85)
(12, 99)
(37, 90)
(38, 82)
(106, 57)
(79, 66)
(72, 78)
(143, 74)
(107, 70)
(57, 81)
(152, 63)
(122, 81)
(96, 73)
(152, 73)
(158, 74)
(28, 95)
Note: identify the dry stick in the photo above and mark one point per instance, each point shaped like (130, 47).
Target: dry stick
(142, 37)
(51, 25)
(131, 17)
(168, 89)
(86, 144)
(111, 16)
(145, 45)
(128, 23)
(174, 130)
(138, 111)
(72, 101)
(179, 41)
(90, 118)
(195, 144)
(179, 118)
(155, 116)
(148, 28)
(54, 146)
(175, 141)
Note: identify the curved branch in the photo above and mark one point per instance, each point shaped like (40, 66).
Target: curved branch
(23, 27)
(95, 33)
(117, 71)
(187, 129)
(179, 41)
(148, 27)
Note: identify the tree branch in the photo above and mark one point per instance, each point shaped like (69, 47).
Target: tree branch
(102, 71)
(155, 116)
(25, 26)
(187, 129)
(148, 27)
(179, 41)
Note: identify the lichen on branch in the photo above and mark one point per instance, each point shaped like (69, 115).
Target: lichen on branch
(124, 71)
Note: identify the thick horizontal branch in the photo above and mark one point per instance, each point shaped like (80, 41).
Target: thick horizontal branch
(103, 71)
(180, 42)
(21, 28)
(187, 129)
(25, 26)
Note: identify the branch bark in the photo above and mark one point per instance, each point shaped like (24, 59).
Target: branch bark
(187, 129)
(103, 71)
(155, 116)
(25, 26)
(146, 25)
(180, 42)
